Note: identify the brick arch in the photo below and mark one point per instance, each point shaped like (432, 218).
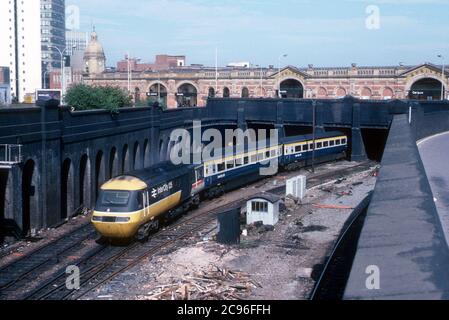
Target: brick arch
(322, 92)
(67, 189)
(85, 180)
(290, 77)
(341, 92)
(282, 80)
(162, 83)
(366, 93)
(179, 84)
(125, 163)
(387, 93)
(100, 170)
(113, 163)
(137, 157)
(415, 79)
(30, 194)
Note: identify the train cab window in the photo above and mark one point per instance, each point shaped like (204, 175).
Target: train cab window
(305, 147)
(332, 143)
(326, 144)
(115, 198)
(319, 145)
(343, 141)
(245, 160)
(221, 167)
(230, 164)
(140, 201)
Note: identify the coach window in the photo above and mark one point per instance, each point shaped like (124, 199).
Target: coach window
(221, 167)
(254, 158)
(319, 145)
(245, 160)
(238, 162)
(305, 147)
(332, 143)
(230, 164)
(298, 149)
(273, 153)
(326, 144)
(343, 141)
(267, 154)
(337, 142)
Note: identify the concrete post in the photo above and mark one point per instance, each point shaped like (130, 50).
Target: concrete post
(155, 130)
(241, 119)
(358, 152)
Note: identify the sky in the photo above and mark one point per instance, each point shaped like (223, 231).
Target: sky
(324, 33)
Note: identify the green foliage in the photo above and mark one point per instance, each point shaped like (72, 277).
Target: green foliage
(84, 97)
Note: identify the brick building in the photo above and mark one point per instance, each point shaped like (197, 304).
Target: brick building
(191, 86)
(162, 62)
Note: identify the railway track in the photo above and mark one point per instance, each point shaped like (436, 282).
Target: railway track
(27, 268)
(104, 262)
(96, 269)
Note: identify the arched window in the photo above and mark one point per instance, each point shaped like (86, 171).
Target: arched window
(341, 92)
(426, 89)
(187, 96)
(211, 93)
(292, 88)
(245, 92)
(226, 92)
(366, 93)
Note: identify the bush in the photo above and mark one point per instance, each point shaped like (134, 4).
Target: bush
(84, 97)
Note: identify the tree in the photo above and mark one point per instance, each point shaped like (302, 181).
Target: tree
(84, 97)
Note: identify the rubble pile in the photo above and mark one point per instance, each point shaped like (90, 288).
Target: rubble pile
(215, 283)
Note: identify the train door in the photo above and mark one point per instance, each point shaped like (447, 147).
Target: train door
(198, 183)
(146, 204)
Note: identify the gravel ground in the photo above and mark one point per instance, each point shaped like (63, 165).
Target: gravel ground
(281, 261)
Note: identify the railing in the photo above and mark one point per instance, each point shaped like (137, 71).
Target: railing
(10, 154)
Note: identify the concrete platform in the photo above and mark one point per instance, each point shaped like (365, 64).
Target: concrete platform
(402, 235)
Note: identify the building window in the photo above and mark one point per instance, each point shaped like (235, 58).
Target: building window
(226, 92)
(258, 206)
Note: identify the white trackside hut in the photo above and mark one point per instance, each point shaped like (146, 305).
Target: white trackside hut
(263, 207)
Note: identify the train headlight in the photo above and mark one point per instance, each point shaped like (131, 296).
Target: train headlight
(122, 219)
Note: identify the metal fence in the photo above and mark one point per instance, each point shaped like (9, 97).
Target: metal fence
(10, 154)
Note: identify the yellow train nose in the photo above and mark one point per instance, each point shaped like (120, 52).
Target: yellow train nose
(109, 226)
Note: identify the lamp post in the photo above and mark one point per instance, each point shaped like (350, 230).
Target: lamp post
(45, 78)
(442, 77)
(261, 79)
(61, 53)
(279, 73)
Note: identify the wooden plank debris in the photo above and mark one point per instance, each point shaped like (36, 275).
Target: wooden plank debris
(214, 283)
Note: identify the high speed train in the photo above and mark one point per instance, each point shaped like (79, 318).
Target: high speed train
(135, 204)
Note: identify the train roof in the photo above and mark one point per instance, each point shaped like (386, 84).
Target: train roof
(231, 150)
(161, 172)
(308, 137)
(124, 182)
